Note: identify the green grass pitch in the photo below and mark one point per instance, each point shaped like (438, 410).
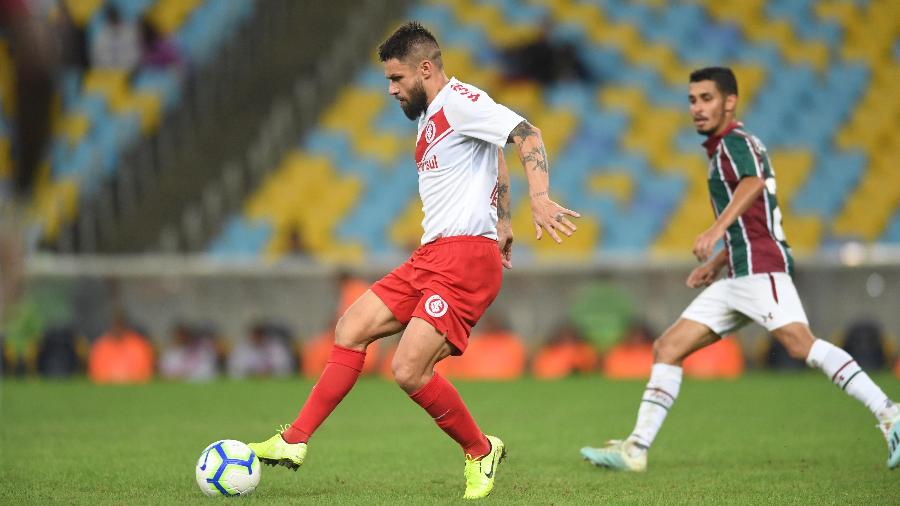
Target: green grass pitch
(764, 439)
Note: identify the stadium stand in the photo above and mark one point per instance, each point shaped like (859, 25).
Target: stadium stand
(102, 112)
(623, 152)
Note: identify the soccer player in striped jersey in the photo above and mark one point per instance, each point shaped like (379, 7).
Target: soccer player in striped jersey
(758, 286)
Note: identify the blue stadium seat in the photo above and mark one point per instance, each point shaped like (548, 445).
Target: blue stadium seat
(242, 238)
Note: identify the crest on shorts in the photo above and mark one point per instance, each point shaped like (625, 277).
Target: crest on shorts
(429, 131)
(435, 306)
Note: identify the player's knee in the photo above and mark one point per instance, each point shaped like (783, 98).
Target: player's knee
(409, 377)
(797, 344)
(665, 352)
(349, 333)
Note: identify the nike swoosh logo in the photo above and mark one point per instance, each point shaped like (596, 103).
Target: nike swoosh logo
(490, 474)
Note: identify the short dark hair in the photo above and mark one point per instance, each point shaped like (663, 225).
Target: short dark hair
(724, 78)
(411, 39)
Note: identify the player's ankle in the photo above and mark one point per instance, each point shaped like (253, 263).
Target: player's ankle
(292, 435)
(479, 450)
(634, 448)
(889, 412)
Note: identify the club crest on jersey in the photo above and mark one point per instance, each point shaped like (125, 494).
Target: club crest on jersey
(435, 306)
(429, 131)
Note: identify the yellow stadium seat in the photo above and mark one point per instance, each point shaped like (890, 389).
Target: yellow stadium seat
(571, 11)
(654, 55)
(169, 15)
(751, 78)
(580, 246)
(692, 216)
(354, 106)
(804, 233)
(625, 36)
(556, 127)
(522, 97)
(7, 82)
(813, 53)
(55, 205)
(618, 184)
(458, 62)
(5, 158)
(624, 98)
(692, 165)
(406, 232)
(111, 83)
(791, 170)
(73, 128)
(81, 11)
(383, 147)
(146, 104)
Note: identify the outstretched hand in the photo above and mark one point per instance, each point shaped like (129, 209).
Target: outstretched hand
(552, 217)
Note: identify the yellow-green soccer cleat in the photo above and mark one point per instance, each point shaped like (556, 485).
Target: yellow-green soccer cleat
(615, 455)
(480, 473)
(276, 451)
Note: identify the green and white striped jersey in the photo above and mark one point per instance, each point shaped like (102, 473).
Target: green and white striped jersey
(755, 241)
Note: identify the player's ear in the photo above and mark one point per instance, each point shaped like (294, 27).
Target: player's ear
(426, 68)
(731, 103)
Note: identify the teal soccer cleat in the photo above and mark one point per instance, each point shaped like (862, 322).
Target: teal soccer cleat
(614, 455)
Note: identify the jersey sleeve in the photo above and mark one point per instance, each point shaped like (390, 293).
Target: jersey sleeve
(744, 156)
(473, 113)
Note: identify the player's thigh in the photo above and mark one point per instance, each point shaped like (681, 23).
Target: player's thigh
(797, 339)
(680, 340)
(421, 347)
(713, 309)
(772, 301)
(366, 320)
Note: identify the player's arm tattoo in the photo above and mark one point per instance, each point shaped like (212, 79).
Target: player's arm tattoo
(503, 212)
(531, 147)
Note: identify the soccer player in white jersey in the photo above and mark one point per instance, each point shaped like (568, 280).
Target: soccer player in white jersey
(758, 287)
(438, 295)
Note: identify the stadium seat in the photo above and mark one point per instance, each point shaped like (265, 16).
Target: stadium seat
(624, 152)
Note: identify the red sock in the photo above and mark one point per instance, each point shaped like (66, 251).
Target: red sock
(339, 376)
(443, 403)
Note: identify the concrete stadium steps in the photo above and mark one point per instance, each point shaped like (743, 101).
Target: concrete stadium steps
(105, 111)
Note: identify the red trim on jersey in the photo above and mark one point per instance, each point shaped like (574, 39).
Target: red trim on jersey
(712, 142)
(439, 131)
(774, 289)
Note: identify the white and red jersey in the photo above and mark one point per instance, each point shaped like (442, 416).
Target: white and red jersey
(456, 157)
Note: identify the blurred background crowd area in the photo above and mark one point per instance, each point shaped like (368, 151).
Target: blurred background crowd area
(261, 135)
(614, 341)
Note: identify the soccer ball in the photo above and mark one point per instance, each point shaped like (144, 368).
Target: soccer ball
(228, 468)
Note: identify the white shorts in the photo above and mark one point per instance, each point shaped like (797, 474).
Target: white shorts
(728, 304)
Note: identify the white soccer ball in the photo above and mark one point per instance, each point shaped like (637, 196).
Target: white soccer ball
(228, 468)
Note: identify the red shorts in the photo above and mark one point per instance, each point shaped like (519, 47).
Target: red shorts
(449, 283)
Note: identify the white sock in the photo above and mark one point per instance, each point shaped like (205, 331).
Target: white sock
(660, 394)
(844, 372)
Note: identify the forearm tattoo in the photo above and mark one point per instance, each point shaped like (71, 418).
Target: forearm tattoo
(503, 212)
(535, 157)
